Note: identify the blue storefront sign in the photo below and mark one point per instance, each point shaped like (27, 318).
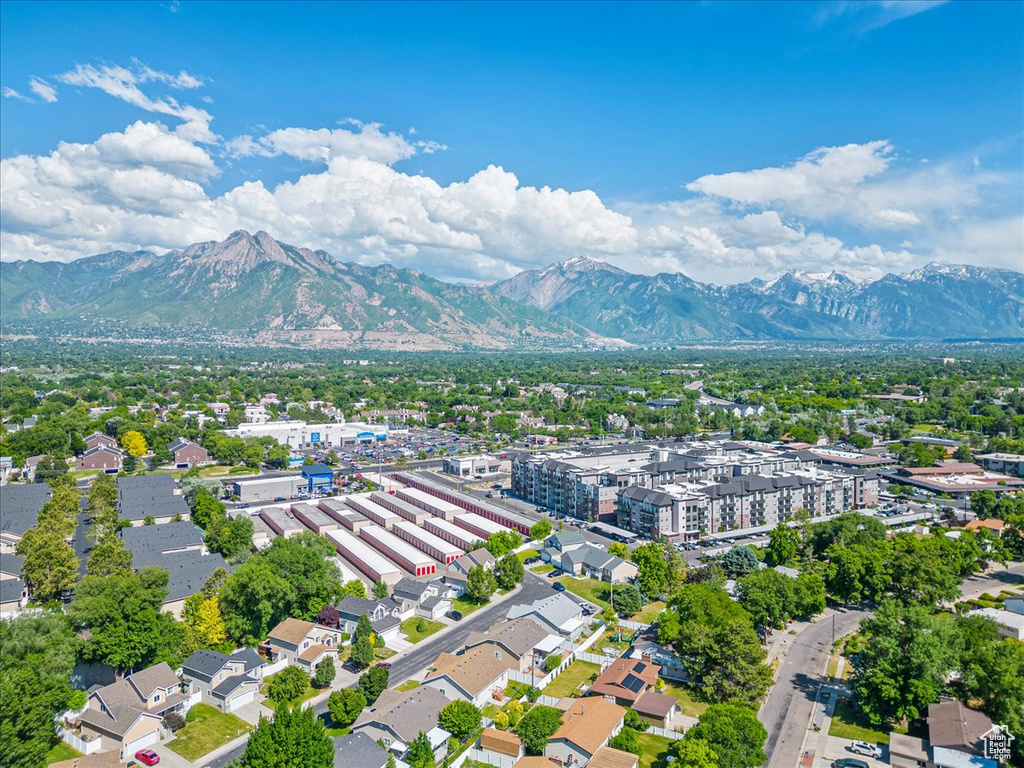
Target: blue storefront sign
(314, 437)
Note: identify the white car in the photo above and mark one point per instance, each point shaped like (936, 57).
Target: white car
(867, 749)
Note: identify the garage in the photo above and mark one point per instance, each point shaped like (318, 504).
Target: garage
(241, 700)
(148, 740)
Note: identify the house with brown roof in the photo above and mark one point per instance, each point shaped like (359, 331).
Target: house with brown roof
(471, 676)
(518, 643)
(625, 680)
(994, 525)
(302, 643)
(656, 708)
(500, 744)
(956, 731)
(188, 454)
(587, 726)
(127, 715)
(609, 757)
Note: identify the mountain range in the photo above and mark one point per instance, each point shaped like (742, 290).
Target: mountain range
(254, 288)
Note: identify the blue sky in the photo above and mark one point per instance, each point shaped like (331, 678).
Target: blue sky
(725, 140)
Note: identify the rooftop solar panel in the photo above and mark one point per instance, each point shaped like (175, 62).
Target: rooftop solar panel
(633, 683)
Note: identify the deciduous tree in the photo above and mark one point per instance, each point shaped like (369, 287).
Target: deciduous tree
(508, 571)
(460, 718)
(345, 706)
(373, 681)
(480, 584)
(733, 734)
(537, 726)
(294, 737)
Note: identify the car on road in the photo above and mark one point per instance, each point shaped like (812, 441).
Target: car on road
(147, 757)
(866, 748)
(496, 487)
(384, 664)
(243, 505)
(489, 495)
(849, 762)
(558, 586)
(280, 498)
(454, 615)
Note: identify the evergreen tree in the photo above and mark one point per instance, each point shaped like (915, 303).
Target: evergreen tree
(295, 737)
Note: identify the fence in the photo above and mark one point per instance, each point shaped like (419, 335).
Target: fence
(579, 651)
(484, 756)
(632, 624)
(86, 747)
(665, 733)
(277, 666)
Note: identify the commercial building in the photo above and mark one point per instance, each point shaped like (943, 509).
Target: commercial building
(505, 517)
(480, 527)
(314, 518)
(282, 521)
(398, 551)
(432, 504)
(298, 435)
(1007, 463)
(365, 558)
(343, 514)
(450, 532)
(372, 511)
(427, 542)
(267, 488)
(475, 466)
(400, 507)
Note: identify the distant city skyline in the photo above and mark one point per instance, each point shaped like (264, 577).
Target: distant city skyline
(727, 141)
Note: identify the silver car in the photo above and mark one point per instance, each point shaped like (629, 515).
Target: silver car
(867, 749)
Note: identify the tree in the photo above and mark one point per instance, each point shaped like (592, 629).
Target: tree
(328, 617)
(324, 674)
(963, 453)
(109, 557)
(634, 721)
(134, 443)
(293, 737)
(362, 643)
(460, 718)
(905, 662)
(380, 590)
(345, 706)
(537, 726)
(420, 753)
(652, 570)
(618, 549)
(204, 624)
(233, 538)
(924, 569)
(693, 753)
(508, 571)
(37, 655)
(733, 733)
(287, 685)
(541, 530)
(739, 561)
(783, 543)
(860, 441)
(627, 741)
(123, 615)
(767, 596)
(552, 661)
(253, 600)
(355, 588)
(856, 572)
(373, 681)
(304, 561)
(628, 600)
(503, 542)
(50, 467)
(50, 566)
(808, 595)
(480, 584)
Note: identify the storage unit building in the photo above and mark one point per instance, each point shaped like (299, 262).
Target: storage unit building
(372, 511)
(401, 507)
(365, 558)
(398, 551)
(344, 514)
(498, 514)
(314, 518)
(427, 542)
(282, 521)
(479, 526)
(450, 532)
(435, 506)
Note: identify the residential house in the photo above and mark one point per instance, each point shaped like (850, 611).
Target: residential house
(515, 642)
(427, 599)
(907, 751)
(608, 757)
(656, 708)
(226, 682)
(384, 615)
(955, 735)
(188, 454)
(596, 563)
(563, 542)
(152, 496)
(502, 745)
(557, 613)
(358, 750)
(302, 643)
(991, 524)
(1010, 624)
(472, 676)
(587, 726)
(127, 714)
(13, 594)
(98, 438)
(19, 508)
(107, 460)
(398, 717)
(457, 572)
(625, 680)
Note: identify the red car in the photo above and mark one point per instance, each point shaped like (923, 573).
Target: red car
(147, 757)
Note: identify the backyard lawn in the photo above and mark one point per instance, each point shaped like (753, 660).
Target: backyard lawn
(589, 589)
(526, 553)
(848, 723)
(650, 612)
(209, 729)
(655, 750)
(61, 751)
(688, 705)
(413, 634)
(576, 673)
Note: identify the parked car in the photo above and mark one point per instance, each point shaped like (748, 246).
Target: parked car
(867, 749)
(489, 495)
(454, 615)
(243, 505)
(849, 762)
(496, 487)
(280, 498)
(385, 664)
(531, 560)
(558, 586)
(147, 757)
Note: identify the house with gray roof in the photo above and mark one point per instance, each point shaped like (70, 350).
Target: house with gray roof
(596, 563)
(19, 508)
(398, 717)
(226, 682)
(518, 642)
(385, 615)
(557, 613)
(13, 595)
(427, 599)
(150, 496)
(358, 750)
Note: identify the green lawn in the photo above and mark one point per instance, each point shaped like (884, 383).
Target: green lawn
(210, 728)
(655, 750)
(650, 612)
(408, 685)
(464, 606)
(606, 640)
(576, 673)
(848, 723)
(413, 635)
(593, 590)
(543, 568)
(688, 704)
(526, 553)
(61, 751)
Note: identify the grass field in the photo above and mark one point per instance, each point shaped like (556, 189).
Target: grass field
(848, 723)
(593, 590)
(525, 554)
(465, 607)
(576, 673)
(309, 693)
(61, 751)
(688, 704)
(655, 750)
(413, 635)
(209, 729)
(543, 568)
(408, 685)
(650, 612)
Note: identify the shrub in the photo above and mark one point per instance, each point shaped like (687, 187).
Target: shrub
(500, 721)
(634, 721)
(174, 722)
(287, 685)
(421, 626)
